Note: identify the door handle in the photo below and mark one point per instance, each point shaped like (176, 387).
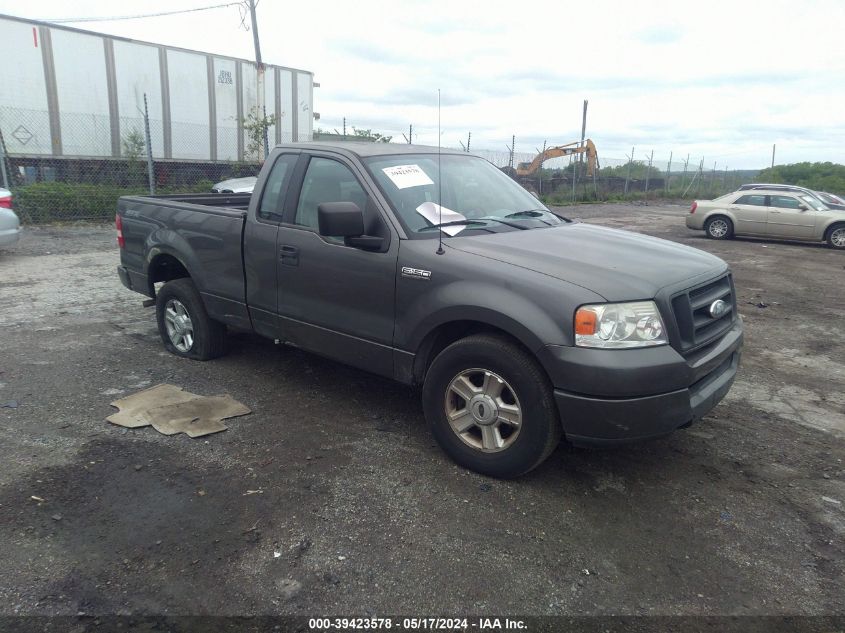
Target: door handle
(289, 255)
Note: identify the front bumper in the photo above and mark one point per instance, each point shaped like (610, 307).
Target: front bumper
(679, 390)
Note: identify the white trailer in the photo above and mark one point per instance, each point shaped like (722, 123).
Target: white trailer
(69, 93)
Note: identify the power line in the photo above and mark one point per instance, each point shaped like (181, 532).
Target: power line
(145, 15)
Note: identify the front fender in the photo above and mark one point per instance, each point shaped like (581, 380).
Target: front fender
(527, 321)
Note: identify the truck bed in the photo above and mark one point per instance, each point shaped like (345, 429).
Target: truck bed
(203, 232)
(228, 201)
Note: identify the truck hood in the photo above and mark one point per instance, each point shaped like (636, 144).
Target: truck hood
(618, 265)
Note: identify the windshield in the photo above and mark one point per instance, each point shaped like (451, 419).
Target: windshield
(814, 202)
(475, 195)
(828, 197)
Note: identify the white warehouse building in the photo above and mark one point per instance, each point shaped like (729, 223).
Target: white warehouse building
(69, 93)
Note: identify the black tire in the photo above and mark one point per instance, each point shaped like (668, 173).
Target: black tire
(540, 428)
(714, 226)
(835, 236)
(208, 336)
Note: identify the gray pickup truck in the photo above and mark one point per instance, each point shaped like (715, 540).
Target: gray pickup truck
(520, 325)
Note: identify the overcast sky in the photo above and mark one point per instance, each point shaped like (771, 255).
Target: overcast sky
(722, 80)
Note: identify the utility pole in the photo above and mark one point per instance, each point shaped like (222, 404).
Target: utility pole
(540, 171)
(773, 155)
(151, 179)
(628, 176)
(510, 151)
(260, 77)
(668, 174)
(712, 177)
(469, 138)
(648, 173)
(583, 131)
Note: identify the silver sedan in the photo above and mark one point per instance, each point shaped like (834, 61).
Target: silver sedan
(10, 226)
(769, 213)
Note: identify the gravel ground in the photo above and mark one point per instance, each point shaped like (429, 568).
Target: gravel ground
(332, 498)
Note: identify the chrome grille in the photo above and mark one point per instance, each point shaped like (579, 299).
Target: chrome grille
(696, 326)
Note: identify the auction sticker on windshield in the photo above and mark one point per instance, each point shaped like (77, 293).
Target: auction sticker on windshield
(404, 176)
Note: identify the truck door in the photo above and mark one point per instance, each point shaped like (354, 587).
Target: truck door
(790, 217)
(260, 234)
(333, 299)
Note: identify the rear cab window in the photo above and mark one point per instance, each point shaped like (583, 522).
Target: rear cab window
(275, 188)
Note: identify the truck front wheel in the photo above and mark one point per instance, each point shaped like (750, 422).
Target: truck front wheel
(184, 325)
(490, 406)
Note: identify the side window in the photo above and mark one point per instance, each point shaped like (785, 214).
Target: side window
(785, 202)
(326, 180)
(755, 200)
(276, 186)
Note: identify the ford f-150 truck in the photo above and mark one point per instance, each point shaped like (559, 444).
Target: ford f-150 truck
(438, 270)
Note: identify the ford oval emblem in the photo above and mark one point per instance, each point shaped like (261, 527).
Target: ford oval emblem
(718, 309)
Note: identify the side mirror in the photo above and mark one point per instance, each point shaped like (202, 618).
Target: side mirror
(346, 220)
(803, 206)
(340, 219)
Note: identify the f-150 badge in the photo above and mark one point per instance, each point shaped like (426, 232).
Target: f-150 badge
(416, 273)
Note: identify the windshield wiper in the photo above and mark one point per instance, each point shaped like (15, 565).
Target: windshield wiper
(536, 212)
(480, 222)
(531, 213)
(452, 223)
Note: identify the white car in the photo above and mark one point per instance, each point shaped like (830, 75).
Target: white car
(236, 185)
(10, 226)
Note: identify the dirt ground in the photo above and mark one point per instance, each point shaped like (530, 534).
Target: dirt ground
(332, 497)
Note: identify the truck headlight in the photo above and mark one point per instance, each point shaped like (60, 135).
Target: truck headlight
(619, 325)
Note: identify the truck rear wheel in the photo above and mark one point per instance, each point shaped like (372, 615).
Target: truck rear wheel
(184, 325)
(490, 406)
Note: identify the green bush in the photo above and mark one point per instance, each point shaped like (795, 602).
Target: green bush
(61, 201)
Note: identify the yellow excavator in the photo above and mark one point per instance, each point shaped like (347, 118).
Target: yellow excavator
(588, 148)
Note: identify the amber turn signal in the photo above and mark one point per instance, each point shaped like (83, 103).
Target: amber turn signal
(586, 321)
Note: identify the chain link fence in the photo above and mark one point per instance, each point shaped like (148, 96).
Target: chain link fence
(82, 176)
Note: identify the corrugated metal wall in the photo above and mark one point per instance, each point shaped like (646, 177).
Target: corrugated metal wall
(77, 94)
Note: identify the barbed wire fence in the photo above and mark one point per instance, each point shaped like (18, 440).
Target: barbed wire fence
(82, 178)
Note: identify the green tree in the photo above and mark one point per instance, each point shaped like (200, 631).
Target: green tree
(132, 147)
(820, 176)
(256, 126)
(369, 135)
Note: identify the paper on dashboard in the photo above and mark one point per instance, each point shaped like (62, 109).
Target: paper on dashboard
(432, 212)
(404, 176)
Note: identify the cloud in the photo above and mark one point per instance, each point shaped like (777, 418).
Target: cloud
(660, 35)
